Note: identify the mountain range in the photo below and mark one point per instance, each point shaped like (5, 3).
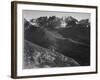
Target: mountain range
(72, 41)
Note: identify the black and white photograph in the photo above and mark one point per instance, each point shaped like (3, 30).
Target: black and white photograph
(53, 39)
(56, 39)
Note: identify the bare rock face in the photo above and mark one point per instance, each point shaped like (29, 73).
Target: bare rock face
(38, 57)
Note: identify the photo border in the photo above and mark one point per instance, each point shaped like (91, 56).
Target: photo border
(14, 37)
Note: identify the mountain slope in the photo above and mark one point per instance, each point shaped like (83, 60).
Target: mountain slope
(39, 57)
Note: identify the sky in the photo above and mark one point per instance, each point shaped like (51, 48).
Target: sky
(30, 14)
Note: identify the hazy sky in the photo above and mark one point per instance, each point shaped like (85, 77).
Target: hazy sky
(29, 14)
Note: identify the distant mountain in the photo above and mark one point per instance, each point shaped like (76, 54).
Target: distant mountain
(26, 24)
(71, 20)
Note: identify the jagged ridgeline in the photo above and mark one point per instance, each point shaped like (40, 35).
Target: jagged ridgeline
(64, 35)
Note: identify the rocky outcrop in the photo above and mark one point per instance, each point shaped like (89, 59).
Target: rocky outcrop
(36, 56)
